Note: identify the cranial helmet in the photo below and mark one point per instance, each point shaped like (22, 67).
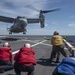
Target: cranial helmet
(6, 44)
(27, 45)
(56, 33)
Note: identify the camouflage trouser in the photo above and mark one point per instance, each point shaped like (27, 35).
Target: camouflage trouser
(56, 50)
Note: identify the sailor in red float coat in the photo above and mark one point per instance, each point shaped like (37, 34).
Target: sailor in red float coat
(25, 56)
(5, 57)
(25, 60)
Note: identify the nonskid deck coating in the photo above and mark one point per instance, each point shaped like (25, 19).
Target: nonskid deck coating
(42, 54)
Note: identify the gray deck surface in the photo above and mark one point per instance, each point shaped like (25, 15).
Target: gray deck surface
(42, 49)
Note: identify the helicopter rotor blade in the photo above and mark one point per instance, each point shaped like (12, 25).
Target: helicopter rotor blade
(43, 11)
(31, 7)
(47, 11)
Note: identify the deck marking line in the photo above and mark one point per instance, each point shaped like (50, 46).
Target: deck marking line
(46, 44)
(31, 46)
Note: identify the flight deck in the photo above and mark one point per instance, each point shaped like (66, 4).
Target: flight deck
(42, 49)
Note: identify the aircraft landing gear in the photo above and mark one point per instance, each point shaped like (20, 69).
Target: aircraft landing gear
(24, 32)
(10, 32)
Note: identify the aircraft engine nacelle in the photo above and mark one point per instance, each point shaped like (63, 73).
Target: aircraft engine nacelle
(42, 22)
(42, 19)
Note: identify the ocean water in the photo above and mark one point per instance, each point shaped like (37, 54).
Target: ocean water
(71, 39)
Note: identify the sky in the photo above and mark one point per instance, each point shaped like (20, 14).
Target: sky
(62, 21)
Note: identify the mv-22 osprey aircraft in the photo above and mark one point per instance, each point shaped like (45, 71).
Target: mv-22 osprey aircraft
(20, 23)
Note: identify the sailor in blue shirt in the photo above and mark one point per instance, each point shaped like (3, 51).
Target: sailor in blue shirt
(66, 67)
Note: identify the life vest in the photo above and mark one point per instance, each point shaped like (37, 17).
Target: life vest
(25, 56)
(5, 54)
(56, 40)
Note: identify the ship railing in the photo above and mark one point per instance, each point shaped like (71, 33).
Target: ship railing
(70, 48)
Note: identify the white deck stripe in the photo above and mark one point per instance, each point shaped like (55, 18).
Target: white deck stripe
(31, 46)
(46, 44)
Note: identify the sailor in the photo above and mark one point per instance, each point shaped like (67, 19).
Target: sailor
(5, 57)
(58, 47)
(66, 67)
(25, 60)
